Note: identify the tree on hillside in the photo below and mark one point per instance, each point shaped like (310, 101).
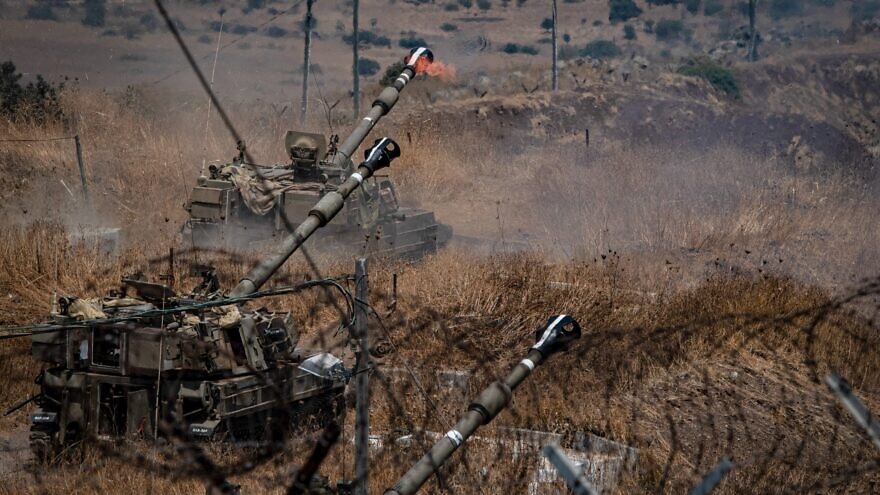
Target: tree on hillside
(623, 10)
(96, 11)
(37, 100)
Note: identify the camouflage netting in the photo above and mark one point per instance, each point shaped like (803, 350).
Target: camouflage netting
(260, 193)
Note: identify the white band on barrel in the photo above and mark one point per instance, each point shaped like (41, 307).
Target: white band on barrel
(528, 363)
(415, 56)
(455, 437)
(358, 177)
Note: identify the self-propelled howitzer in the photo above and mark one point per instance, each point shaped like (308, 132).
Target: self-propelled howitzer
(243, 204)
(123, 365)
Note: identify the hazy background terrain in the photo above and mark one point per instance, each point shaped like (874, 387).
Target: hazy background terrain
(695, 199)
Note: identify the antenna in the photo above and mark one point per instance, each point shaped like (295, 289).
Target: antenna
(213, 71)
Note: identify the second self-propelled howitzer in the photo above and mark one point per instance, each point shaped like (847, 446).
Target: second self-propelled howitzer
(144, 356)
(559, 332)
(242, 204)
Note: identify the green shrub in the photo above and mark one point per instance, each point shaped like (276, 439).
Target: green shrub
(719, 77)
(623, 10)
(664, 2)
(547, 24)
(150, 22)
(367, 67)
(275, 32)
(513, 48)
(391, 73)
(466, 3)
(566, 37)
(692, 6)
(366, 37)
(629, 32)
(253, 5)
(670, 29)
(601, 49)
(451, 7)
(448, 27)
(412, 41)
(484, 4)
(865, 10)
(712, 7)
(96, 11)
(241, 29)
(785, 8)
(38, 100)
(41, 12)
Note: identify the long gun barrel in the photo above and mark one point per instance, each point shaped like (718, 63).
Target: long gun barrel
(551, 338)
(381, 154)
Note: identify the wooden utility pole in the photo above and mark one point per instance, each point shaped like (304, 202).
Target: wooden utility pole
(356, 90)
(753, 31)
(362, 377)
(307, 51)
(555, 52)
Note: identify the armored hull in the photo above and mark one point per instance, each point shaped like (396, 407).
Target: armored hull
(219, 374)
(242, 206)
(80, 404)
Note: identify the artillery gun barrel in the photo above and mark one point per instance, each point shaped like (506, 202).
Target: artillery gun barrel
(332, 202)
(551, 338)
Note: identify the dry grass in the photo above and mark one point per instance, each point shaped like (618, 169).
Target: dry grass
(672, 266)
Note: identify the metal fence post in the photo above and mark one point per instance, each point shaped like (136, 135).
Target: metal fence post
(362, 384)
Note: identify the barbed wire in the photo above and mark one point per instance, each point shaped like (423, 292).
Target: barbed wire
(7, 332)
(649, 407)
(411, 405)
(37, 140)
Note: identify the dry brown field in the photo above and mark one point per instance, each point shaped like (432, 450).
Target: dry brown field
(722, 254)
